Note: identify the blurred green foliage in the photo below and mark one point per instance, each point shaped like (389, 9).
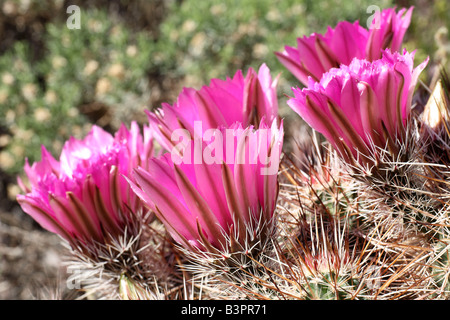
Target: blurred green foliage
(95, 74)
(211, 39)
(55, 82)
(428, 33)
(33, 115)
(104, 60)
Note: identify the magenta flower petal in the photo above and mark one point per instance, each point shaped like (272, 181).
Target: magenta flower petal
(363, 105)
(85, 197)
(204, 204)
(387, 31)
(243, 99)
(316, 54)
(289, 59)
(209, 175)
(346, 41)
(169, 207)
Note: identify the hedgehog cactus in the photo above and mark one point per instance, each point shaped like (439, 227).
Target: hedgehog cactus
(360, 211)
(317, 53)
(221, 210)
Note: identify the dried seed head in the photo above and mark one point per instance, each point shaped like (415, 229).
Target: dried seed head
(436, 114)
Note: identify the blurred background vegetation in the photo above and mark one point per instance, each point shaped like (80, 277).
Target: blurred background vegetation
(128, 56)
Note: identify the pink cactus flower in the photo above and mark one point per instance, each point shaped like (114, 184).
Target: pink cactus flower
(84, 196)
(363, 106)
(224, 102)
(208, 205)
(316, 54)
